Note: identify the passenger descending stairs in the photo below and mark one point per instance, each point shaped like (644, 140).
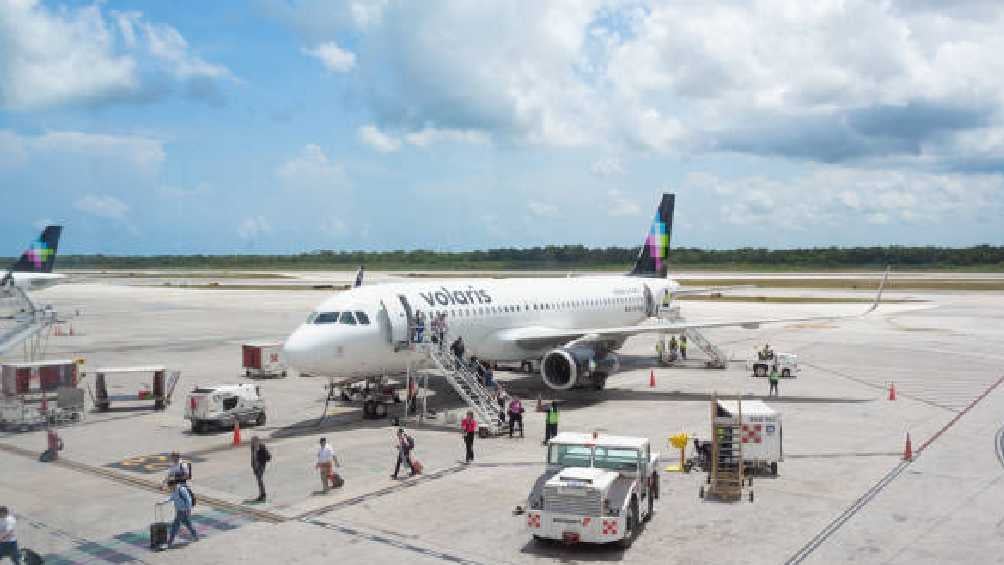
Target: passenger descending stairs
(465, 382)
(717, 359)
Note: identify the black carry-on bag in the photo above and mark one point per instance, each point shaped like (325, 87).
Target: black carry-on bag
(159, 528)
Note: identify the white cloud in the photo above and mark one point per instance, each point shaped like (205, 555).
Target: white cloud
(253, 227)
(382, 142)
(621, 204)
(311, 170)
(607, 167)
(102, 206)
(831, 195)
(430, 135)
(333, 57)
(53, 57)
(138, 153)
(541, 209)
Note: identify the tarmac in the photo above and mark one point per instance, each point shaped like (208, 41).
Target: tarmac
(843, 493)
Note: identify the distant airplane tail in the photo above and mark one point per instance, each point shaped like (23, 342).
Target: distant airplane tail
(41, 254)
(653, 258)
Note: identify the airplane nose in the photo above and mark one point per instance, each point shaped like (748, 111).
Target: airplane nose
(303, 350)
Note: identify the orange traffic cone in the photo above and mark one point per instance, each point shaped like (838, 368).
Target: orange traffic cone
(908, 449)
(237, 433)
(892, 391)
(651, 378)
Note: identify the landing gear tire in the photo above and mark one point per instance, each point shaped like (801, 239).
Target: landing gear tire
(600, 383)
(786, 373)
(773, 469)
(651, 507)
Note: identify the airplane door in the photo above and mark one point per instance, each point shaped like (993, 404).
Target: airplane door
(398, 315)
(650, 308)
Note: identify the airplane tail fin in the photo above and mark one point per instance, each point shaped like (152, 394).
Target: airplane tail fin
(41, 254)
(653, 258)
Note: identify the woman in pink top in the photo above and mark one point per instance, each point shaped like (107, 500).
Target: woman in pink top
(469, 426)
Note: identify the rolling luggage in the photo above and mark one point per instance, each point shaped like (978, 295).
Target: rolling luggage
(159, 529)
(416, 466)
(336, 480)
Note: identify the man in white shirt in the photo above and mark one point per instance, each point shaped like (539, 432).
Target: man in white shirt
(8, 541)
(325, 465)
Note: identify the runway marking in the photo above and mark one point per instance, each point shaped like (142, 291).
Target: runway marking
(883, 386)
(149, 464)
(870, 494)
(386, 540)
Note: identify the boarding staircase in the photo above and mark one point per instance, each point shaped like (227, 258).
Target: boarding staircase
(21, 322)
(726, 478)
(717, 359)
(465, 381)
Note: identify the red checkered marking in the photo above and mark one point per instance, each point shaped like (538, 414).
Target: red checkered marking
(753, 433)
(609, 527)
(533, 520)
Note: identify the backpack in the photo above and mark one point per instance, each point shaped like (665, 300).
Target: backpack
(191, 494)
(411, 442)
(268, 454)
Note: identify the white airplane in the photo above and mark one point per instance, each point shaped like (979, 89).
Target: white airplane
(33, 270)
(572, 325)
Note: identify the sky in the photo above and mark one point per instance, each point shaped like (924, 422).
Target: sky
(296, 125)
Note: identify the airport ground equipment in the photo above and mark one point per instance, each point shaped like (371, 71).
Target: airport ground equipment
(262, 360)
(24, 323)
(163, 383)
(679, 441)
(716, 357)
(760, 365)
(761, 435)
(467, 384)
(38, 377)
(597, 488)
(224, 405)
(726, 477)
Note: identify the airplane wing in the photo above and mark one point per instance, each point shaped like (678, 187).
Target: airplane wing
(536, 336)
(709, 289)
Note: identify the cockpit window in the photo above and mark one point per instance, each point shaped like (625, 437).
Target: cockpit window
(347, 318)
(363, 318)
(326, 318)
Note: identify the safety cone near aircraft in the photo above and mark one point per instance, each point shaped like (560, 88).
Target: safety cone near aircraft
(651, 378)
(237, 433)
(908, 449)
(892, 391)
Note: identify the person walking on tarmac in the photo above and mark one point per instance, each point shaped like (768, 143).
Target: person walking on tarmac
(672, 348)
(8, 538)
(683, 347)
(551, 425)
(469, 427)
(515, 415)
(182, 499)
(774, 379)
(326, 465)
(259, 458)
(404, 446)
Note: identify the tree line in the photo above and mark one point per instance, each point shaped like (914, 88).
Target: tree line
(563, 257)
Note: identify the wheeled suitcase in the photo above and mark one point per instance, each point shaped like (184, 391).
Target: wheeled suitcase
(158, 529)
(416, 466)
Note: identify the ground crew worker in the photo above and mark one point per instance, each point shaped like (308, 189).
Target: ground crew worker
(683, 346)
(551, 425)
(659, 348)
(774, 378)
(469, 427)
(672, 348)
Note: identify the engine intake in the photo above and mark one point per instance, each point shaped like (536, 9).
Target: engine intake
(568, 367)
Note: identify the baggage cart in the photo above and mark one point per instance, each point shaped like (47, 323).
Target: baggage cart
(263, 360)
(163, 383)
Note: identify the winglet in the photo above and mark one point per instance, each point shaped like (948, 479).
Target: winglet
(878, 296)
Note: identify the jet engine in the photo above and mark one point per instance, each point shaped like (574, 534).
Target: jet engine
(569, 367)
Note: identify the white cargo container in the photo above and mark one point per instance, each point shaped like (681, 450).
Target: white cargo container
(263, 360)
(762, 444)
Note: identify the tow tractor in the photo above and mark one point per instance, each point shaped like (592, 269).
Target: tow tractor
(597, 489)
(760, 364)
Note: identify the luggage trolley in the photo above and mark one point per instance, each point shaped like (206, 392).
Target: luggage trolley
(163, 383)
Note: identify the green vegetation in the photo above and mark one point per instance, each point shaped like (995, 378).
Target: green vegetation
(983, 257)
